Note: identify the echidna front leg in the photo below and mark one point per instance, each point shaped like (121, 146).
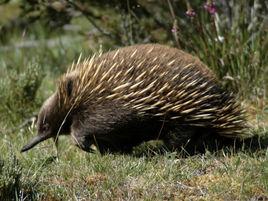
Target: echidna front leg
(81, 140)
(81, 132)
(86, 133)
(84, 141)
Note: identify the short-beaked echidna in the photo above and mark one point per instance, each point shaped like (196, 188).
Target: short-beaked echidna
(121, 98)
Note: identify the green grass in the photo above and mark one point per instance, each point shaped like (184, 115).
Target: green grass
(76, 175)
(28, 76)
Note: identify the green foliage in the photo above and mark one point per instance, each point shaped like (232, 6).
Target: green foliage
(12, 185)
(10, 175)
(27, 83)
(265, 173)
(19, 91)
(233, 46)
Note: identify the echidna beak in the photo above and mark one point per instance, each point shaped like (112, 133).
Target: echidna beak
(36, 140)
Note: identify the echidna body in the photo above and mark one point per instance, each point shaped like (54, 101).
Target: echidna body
(127, 96)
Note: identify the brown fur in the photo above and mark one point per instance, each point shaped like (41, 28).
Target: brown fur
(124, 97)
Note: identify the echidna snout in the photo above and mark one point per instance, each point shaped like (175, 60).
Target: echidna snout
(49, 123)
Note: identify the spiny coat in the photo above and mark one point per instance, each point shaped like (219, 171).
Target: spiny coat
(121, 98)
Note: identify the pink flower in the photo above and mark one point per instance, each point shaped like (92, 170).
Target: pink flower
(190, 13)
(210, 7)
(174, 30)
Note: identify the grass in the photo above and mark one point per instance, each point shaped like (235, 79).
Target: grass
(76, 175)
(29, 66)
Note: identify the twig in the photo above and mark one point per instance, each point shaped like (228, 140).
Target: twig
(175, 24)
(228, 12)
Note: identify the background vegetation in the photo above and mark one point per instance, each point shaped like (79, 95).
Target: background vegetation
(40, 38)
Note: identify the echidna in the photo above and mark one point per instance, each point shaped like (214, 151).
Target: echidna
(121, 98)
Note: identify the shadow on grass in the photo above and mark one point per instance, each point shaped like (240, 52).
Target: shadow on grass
(251, 145)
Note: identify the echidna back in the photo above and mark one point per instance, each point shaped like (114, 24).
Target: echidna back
(156, 81)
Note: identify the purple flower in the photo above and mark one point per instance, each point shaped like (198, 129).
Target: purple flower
(190, 13)
(174, 29)
(210, 7)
